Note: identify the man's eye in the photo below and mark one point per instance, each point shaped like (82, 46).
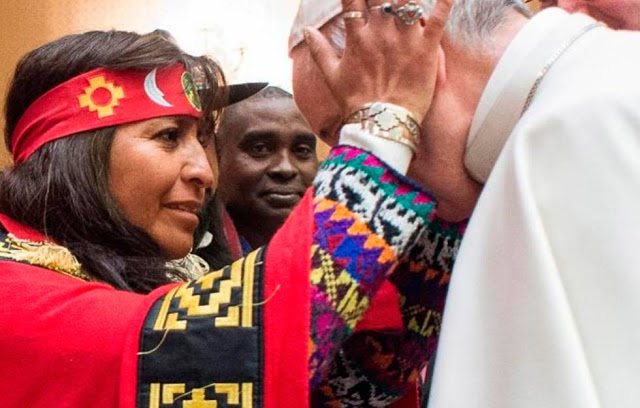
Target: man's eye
(259, 149)
(304, 151)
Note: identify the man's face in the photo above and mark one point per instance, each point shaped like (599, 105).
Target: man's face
(267, 159)
(617, 14)
(313, 97)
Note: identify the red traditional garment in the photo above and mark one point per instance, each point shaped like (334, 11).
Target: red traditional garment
(230, 234)
(268, 330)
(65, 341)
(76, 343)
(242, 335)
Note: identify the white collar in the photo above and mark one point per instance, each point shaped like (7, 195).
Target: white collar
(504, 96)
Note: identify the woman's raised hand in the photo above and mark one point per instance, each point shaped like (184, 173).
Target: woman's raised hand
(391, 55)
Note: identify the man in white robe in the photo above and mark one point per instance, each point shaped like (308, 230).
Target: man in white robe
(543, 307)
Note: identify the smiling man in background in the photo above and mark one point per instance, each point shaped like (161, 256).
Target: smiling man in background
(267, 159)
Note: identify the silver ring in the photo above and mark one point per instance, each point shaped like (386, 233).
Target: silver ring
(385, 8)
(408, 14)
(354, 14)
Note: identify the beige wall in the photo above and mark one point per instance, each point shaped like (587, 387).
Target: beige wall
(23, 25)
(26, 24)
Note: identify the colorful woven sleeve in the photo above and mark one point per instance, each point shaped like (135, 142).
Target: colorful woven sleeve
(423, 282)
(383, 366)
(368, 219)
(374, 368)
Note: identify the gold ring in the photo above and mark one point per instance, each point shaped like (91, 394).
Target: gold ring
(354, 14)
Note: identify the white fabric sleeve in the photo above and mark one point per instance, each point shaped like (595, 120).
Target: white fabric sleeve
(395, 154)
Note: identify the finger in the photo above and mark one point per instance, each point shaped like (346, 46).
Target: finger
(351, 8)
(353, 5)
(353, 21)
(435, 25)
(379, 19)
(323, 54)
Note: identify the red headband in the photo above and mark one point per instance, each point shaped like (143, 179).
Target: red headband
(101, 98)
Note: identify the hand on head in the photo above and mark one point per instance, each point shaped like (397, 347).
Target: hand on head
(385, 59)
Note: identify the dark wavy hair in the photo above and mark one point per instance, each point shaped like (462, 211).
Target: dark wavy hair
(62, 189)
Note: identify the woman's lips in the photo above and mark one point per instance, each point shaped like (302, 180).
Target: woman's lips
(186, 211)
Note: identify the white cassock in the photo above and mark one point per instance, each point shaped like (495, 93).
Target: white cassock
(544, 304)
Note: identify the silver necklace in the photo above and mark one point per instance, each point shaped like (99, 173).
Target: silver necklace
(552, 61)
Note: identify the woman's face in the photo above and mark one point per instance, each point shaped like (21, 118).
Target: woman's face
(159, 172)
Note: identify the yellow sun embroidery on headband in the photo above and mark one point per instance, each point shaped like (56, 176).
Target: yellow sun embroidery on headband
(101, 96)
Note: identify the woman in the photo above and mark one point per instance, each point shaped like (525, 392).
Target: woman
(107, 131)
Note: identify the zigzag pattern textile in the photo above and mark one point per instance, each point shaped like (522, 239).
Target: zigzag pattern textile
(400, 219)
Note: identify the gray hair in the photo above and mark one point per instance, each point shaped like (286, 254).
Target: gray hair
(471, 23)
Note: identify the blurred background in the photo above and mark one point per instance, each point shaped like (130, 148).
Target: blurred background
(248, 37)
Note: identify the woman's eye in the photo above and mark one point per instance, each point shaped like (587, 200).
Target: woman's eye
(170, 135)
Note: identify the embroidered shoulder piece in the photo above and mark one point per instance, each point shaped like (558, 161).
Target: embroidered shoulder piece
(43, 254)
(202, 343)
